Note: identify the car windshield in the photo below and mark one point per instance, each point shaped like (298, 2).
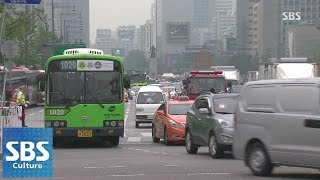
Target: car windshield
(225, 105)
(150, 98)
(201, 85)
(179, 109)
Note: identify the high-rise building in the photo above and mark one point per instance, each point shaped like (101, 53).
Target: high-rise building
(203, 12)
(262, 29)
(104, 40)
(173, 29)
(70, 20)
(225, 20)
(139, 38)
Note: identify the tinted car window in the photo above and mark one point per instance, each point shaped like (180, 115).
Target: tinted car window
(179, 109)
(225, 105)
(150, 98)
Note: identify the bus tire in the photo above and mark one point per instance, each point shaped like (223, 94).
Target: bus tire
(115, 141)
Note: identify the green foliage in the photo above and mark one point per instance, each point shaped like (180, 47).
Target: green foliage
(136, 61)
(29, 29)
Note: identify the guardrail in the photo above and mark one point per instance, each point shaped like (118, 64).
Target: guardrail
(9, 118)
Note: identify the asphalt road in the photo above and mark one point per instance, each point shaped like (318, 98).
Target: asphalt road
(137, 158)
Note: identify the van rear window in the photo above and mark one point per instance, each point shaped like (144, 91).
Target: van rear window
(150, 98)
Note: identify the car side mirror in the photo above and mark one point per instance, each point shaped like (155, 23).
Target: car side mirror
(161, 112)
(204, 111)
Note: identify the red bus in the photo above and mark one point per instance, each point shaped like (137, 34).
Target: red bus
(31, 81)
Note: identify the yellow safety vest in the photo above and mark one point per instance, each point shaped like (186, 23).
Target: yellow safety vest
(21, 99)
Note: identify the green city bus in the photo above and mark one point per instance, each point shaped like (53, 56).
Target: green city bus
(139, 79)
(84, 95)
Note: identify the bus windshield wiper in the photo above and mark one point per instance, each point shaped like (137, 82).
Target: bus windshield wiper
(96, 99)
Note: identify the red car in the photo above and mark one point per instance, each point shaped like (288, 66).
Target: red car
(169, 121)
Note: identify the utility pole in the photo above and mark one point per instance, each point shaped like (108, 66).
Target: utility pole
(4, 61)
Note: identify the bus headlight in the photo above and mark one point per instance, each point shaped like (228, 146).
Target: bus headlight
(113, 123)
(107, 123)
(56, 124)
(62, 124)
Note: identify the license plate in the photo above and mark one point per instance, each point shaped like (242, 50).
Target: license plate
(84, 133)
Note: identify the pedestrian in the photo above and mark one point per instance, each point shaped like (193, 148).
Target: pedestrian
(21, 102)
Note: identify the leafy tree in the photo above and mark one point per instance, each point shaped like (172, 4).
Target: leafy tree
(30, 30)
(136, 61)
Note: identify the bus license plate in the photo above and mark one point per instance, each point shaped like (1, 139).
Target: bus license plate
(84, 133)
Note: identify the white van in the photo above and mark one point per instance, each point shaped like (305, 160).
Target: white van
(149, 99)
(278, 123)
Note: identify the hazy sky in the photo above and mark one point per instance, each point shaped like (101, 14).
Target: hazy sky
(113, 13)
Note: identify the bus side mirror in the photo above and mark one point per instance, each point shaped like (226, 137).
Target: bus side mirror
(126, 82)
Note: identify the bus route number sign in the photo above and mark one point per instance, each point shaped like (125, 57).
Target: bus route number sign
(56, 112)
(68, 65)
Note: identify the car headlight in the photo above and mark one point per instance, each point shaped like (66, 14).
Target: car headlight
(224, 124)
(174, 124)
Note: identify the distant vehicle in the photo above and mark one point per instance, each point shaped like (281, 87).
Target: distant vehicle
(210, 122)
(170, 91)
(139, 79)
(288, 68)
(134, 90)
(32, 83)
(87, 85)
(169, 121)
(178, 86)
(231, 73)
(235, 88)
(149, 99)
(276, 124)
(203, 81)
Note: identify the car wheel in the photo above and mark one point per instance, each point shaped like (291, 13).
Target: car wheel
(215, 149)
(115, 141)
(154, 136)
(137, 125)
(165, 137)
(259, 161)
(190, 147)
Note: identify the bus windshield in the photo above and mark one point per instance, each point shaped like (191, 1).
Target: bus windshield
(91, 87)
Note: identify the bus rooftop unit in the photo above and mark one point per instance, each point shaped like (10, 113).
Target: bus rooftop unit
(84, 95)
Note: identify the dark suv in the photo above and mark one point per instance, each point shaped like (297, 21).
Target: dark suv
(210, 122)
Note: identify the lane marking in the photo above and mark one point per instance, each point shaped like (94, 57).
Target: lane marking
(136, 144)
(124, 126)
(133, 139)
(116, 166)
(40, 110)
(194, 174)
(31, 114)
(90, 167)
(146, 134)
(171, 165)
(127, 175)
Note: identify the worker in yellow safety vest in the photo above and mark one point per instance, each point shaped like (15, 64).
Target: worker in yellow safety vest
(21, 101)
